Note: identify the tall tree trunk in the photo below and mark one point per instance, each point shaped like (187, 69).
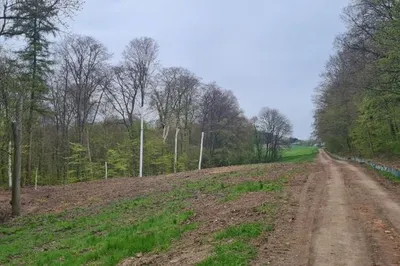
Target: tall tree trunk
(88, 146)
(141, 143)
(80, 167)
(89, 153)
(371, 147)
(28, 177)
(16, 184)
(176, 150)
(165, 133)
(10, 164)
(29, 155)
(65, 154)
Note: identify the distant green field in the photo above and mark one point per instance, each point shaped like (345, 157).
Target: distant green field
(299, 154)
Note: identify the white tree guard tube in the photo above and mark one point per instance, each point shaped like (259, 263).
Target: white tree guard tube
(106, 170)
(201, 150)
(36, 178)
(141, 145)
(10, 164)
(176, 150)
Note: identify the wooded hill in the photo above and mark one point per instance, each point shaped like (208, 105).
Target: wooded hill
(358, 100)
(66, 110)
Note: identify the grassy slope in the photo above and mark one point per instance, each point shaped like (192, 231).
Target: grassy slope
(232, 245)
(299, 154)
(387, 175)
(105, 236)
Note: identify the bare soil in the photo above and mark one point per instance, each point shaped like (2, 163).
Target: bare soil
(52, 199)
(331, 213)
(344, 215)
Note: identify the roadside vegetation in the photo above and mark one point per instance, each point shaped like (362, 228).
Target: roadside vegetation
(358, 100)
(385, 174)
(103, 236)
(232, 245)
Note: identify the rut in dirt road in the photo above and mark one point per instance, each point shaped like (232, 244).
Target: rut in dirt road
(380, 196)
(378, 211)
(337, 239)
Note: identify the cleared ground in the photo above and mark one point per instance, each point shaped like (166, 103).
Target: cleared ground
(312, 213)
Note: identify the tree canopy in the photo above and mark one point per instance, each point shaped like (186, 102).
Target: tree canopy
(358, 101)
(80, 110)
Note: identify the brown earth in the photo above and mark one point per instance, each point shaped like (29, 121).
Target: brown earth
(344, 215)
(49, 199)
(337, 214)
(331, 213)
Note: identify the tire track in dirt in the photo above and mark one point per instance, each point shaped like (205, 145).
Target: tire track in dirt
(309, 200)
(324, 230)
(378, 214)
(290, 242)
(337, 240)
(338, 215)
(390, 207)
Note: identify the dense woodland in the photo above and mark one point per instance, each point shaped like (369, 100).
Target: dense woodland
(66, 110)
(358, 100)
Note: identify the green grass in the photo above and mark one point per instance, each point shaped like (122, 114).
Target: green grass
(238, 190)
(390, 176)
(386, 174)
(238, 251)
(104, 237)
(249, 230)
(235, 253)
(108, 234)
(298, 154)
(224, 190)
(267, 208)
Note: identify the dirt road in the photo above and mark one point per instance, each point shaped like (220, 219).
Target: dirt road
(344, 217)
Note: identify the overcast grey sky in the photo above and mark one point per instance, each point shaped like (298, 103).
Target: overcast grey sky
(268, 52)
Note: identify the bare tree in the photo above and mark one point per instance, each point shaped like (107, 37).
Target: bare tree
(17, 135)
(173, 98)
(85, 61)
(188, 105)
(221, 119)
(274, 127)
(140, 60)
(11, 102)
(162, 97)
(62, 105)
(5, 16)
(123, 95)
(132, 78)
